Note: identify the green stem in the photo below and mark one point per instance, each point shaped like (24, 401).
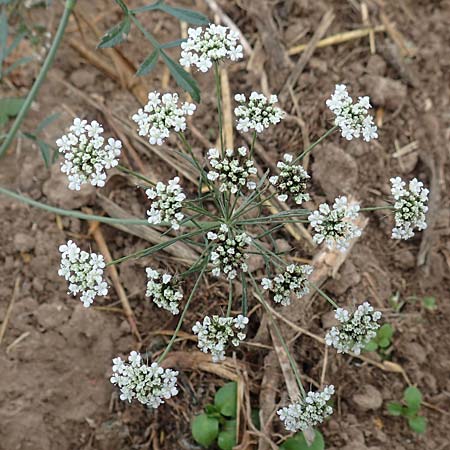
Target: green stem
(292, 363)
(135, 174)
(377, 208)
(219, 105)
(230, 297)
(186, 307)
(315, 144)
(41, 77)
(325, 296)
(252, 146)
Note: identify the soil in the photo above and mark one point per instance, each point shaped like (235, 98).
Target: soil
(55, 356)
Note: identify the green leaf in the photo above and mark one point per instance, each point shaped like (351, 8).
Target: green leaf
(151, 7)
(385, 332)
(45, 150)
(205, 429)
(255, 418)
(10, 107)
(227, 440)
(149, 64)
(46, 122)
(384, 342)
(429, 303)
(172, 44)
(210, 409)
(123, 6)
(116, 34)
(298, 442)
(186, 15)
(417, 424)
(413, 397)
(183, 78)
(3, 37)
(226, 399)
(395, 409)
(371, 346)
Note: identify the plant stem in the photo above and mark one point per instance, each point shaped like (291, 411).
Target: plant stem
(186, 307)
(292, 363)
(377, 208)
(325, 296)
(41, 77)
(219, 105)
(135, 174)
(230, 297)
(314, 144)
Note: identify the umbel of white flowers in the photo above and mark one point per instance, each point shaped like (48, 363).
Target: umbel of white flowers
(148, 384)
(294, 280)
(167, 203)
(85, 156)
(83, 271)
(216, 333)
(410, 207)
(352, 118)
(355, 330)
(204, 46)
(335, 226)
(164, 289)
(292, 181)
(161, 115)
(308, 412)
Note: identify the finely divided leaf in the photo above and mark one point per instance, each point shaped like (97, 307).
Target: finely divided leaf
(116, 34)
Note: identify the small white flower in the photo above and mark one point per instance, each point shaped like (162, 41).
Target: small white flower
(164, 290)
(161, 115)
(308, 412)
(215, 334)
(167, 203)
(83, 271)
(355, 330)
(291, 181)
(257, 113)
(234, 171)
(228, 254)
(352, 118)
(410, 207)
(294, 280)
(85, 156)
(335, 226)
(204, 46)
(150, 385)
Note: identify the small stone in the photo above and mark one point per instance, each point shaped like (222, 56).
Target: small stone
(369, 398)
(385, 92)
(376, 65)
(82, 78)
(23, 242)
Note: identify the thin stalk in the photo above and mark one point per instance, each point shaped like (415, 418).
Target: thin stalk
(314, 144)
(325, 296)
(292, 363)
(255, 205)
(69, 5)
(219, 105)
(186, 307)
(230, 297)
(252, 146)
(377, 208)
(244, 295)
(135, 174)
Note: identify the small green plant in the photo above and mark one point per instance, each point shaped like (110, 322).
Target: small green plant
(429, 303)
(298, 442)
(382, 341)
(412, 400)
(218, 422)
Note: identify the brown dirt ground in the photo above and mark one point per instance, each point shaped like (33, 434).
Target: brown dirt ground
(55, 356)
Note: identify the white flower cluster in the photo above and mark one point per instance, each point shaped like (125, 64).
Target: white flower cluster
(205, 46)
(355, 330)
(85, 156)
(292, 181)
(160, 115)
(83, 271)
(410, 207)
(167, 203)
(257, 113)
(352, 118)
(233, 171)
(228, 255)
(309, 412)
(164, 290)
(216, 333)
(150, 385)
(334, 225)
(294, 280)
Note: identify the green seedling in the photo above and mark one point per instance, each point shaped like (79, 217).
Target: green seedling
(298, 442)
(409, 409)
(429, 303)
(382, 341)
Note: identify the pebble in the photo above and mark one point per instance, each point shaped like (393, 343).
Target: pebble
(368, 398)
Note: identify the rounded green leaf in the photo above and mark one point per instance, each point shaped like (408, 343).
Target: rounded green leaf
(226, 399)
(413, 397)
(371, 346)
(227, 438)
(417, 424)
(429, 303)
(205, 429)
(298, 442)
(386, 331)
(395, 409)
(384, 342)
